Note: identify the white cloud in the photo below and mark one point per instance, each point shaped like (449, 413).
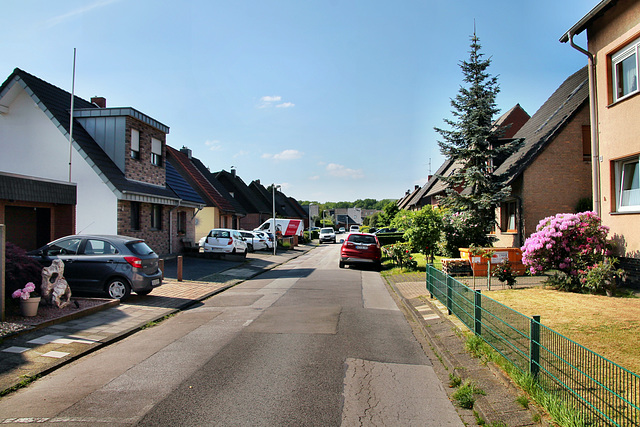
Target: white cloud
(271, 98)
(314, 178)
(342, 171)
(284, 155)
(240, 153)
(214, 145)
(61, 18)
(274, 101)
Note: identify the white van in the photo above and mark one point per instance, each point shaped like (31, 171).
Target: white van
(283, 228)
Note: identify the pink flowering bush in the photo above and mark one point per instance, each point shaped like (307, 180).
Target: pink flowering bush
(24, 293)
(400, 254)
(568, 243)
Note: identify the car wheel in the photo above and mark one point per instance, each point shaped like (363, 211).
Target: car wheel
(118, 289)
(341, 264)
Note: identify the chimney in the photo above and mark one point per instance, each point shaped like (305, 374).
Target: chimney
(417, 187)
(99, 101)
(186, 151)
(233, 173)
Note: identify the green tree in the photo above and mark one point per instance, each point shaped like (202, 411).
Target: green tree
(388, 213)
(422, 228)
(472, 142)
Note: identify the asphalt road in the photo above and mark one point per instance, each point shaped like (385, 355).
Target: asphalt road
(306, 343)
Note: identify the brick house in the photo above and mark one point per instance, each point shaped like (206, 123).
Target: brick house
(550, 173)
(111, 179)
(257, 210)
(613, 50)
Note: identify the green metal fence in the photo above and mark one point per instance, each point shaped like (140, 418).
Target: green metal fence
(604, 392)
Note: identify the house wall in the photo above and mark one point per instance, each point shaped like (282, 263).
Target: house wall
(158, 240)
(206, 219)
(177, 238)
(143, 170)
(31, 145)
(252, 221)
(619, 129)
(558, 178)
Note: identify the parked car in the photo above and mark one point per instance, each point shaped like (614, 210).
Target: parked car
(254, 241)
(268, 238)
(341, 230)
(386, 230)
(361, 248)
(225, 241)
(327, 234)
(115, 265)
(354, 229)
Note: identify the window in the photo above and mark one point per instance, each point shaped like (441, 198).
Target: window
(65, 247)
(135, 215)
(135, 144)
(156, 152)
(628, 185)
(508, 210)
(156, 217)
(586, 143)
(182, 222)
(99, 247)
(625, 71)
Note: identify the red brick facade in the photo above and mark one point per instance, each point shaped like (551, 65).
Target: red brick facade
(142, 169)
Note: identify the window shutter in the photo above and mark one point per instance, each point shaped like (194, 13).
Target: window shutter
(156, 146)
(135, 140)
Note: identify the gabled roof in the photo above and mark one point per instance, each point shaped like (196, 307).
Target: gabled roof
(302, 213)
(56, 104)
(180, 186)
(197, 181)
(283, 206)
(234, 184)
(237, 207)
(547, 122)
(403, 203)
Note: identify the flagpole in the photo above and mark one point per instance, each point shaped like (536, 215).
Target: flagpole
(73, 88)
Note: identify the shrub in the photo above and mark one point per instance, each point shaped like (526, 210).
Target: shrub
(567, 243)
(423, 228)
(400, 254)
(461, 230)
(504, 273)
(601, 278)
(20, 269)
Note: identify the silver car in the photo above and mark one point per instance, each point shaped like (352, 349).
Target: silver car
(225, 241)
(115, 265)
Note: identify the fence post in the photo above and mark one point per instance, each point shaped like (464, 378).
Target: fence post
(429, 280)
(449, 295)
(478, 312)
(534, 346)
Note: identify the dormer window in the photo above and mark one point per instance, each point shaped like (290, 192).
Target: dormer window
(135, 144)
(156, 152)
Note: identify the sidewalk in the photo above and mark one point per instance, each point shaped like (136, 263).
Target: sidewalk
(445, 342)
(35, 353)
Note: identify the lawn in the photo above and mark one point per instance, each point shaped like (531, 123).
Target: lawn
(605, 325)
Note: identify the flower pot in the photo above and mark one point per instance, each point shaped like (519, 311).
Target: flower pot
(29, 307)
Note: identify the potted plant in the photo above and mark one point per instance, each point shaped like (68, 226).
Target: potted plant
(28, 303)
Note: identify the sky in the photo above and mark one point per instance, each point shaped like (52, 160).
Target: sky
(332, 100)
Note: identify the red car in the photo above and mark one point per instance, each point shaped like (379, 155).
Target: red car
(361, 248)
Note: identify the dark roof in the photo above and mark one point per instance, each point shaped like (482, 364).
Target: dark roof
(56, 103)
(242, 193)
(237, 206)
(180, 186)
(197, 181)
(547, 122)
(30, 189)
(302, 213)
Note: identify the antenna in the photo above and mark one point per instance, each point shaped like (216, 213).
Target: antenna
(73, 88)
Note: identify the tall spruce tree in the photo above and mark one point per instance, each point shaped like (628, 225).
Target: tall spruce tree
(472, 144)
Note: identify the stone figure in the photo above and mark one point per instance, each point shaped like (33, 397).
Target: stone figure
(55, 289)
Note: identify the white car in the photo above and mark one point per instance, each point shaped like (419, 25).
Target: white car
(255, 242)
(225, 241)
(354, 229)
(327, 234)
(267, 238)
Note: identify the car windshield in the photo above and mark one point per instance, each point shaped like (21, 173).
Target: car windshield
(361, 238)
(219, 234)
(326, 231)
(64, 247)
(139, 248)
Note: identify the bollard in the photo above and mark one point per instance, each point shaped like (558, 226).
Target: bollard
(179, 268)
(161, 266)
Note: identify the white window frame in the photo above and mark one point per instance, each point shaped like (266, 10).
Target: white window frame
(135, 144)
(620, 180)
(156, 152)
(631, 49)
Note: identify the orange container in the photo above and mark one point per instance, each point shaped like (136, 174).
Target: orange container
(479, 262)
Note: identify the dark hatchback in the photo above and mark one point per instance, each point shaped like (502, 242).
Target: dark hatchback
(115, 265)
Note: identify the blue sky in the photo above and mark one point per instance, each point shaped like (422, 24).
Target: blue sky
(333, 100)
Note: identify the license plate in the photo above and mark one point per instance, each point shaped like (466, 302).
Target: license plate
(362, 247)
(155, 282)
